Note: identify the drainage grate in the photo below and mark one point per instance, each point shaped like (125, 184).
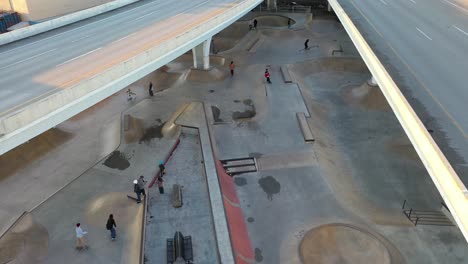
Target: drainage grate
(240, 165)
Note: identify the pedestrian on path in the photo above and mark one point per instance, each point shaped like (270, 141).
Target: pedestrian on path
(150, 89)
(306, 44)
(141, 185)
(111, 226)
(289, 22)
(161, 185)
(255, 24)
(80, 242)
(232, 66)
(162, 168)
(267, 76)
(136, 189)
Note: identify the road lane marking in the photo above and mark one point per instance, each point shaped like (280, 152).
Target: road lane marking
(75, 40)
(461, 30)
(423, 85)
(457, 6)
(144, 16)
(422, 32)
(383, 2)
(82, 55)
(30, 58)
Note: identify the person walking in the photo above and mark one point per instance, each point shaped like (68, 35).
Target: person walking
(232, 66)
(162, 168)
(255, 24)
(111, 226)
(80, 242)
(289, 22)
(267, 76)
(150, 89)
(141, 185)
(137, 191)
(306, 44)
(161, 185)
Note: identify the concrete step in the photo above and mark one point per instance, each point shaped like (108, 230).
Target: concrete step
(285, 74)
(239, 170)
(306, 131)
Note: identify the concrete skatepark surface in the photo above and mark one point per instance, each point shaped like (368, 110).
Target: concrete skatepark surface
(345, 187)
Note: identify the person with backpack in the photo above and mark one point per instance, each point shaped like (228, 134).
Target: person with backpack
(110, 225)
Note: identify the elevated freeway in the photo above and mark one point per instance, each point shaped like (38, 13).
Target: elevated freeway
(50, 77)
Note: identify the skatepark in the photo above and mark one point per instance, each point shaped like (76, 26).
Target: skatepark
(332, 165)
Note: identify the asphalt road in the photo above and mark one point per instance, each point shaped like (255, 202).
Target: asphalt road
(424, 43)
(43, 64)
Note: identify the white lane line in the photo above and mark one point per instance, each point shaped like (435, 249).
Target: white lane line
(30, 58)
(78, 39)
(144, 16)
(461, 30)
(82, 55)
(383, 2)
(68, 31)
(455, 5)
(422, 32)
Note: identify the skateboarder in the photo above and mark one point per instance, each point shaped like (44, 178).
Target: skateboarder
(161, 185)
(289, 23)
(162, 168)
(255, 24)
(231, 67)
(111, 226)
(141, 185)
(136, 189)
(80, 242)
(306, 44)
(267, 76)
(150, 89)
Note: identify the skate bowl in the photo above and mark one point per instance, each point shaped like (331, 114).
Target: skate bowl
(345, 244)
(25, 242)
(273, 21)
(212, 75)
(230, 36)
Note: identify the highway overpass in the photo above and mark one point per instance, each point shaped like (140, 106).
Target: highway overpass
(49, 78)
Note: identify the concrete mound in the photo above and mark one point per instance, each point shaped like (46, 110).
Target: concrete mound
(25, 242)
(344, 244)
(212, 75)
(273, 21)
(24, 155)
(115, 203)
(366, 96)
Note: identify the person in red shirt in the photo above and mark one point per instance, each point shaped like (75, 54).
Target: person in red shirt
(267, 76)
(232, 67)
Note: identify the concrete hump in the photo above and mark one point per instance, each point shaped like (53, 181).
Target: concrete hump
(257, 43)
(285, 74)
(171, 129)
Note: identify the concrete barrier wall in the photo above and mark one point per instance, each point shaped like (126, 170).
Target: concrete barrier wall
(451, 188)
(21, 125)
(61, 21)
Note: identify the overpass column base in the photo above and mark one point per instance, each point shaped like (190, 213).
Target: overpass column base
(372, 82)
(201, 55)
(329, 7)
(271, 4)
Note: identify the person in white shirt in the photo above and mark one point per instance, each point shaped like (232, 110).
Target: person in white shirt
(80, 242)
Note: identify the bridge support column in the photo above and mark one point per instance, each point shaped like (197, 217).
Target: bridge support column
(372, 82)
(201, 55)
(329, 7)
(271, 4)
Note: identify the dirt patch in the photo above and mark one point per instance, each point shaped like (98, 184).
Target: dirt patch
(366, 96)
(339, 243)
(240, 181)
(152, 133)
(402, 147)
(117, 160)
(25, 242)
(216, 113)
(270, 186)
(250, 112)
(25, 154)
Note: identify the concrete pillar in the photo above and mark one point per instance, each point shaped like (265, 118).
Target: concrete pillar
(201, 55)
(329, 7)
(271, 4)
(372, 81)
